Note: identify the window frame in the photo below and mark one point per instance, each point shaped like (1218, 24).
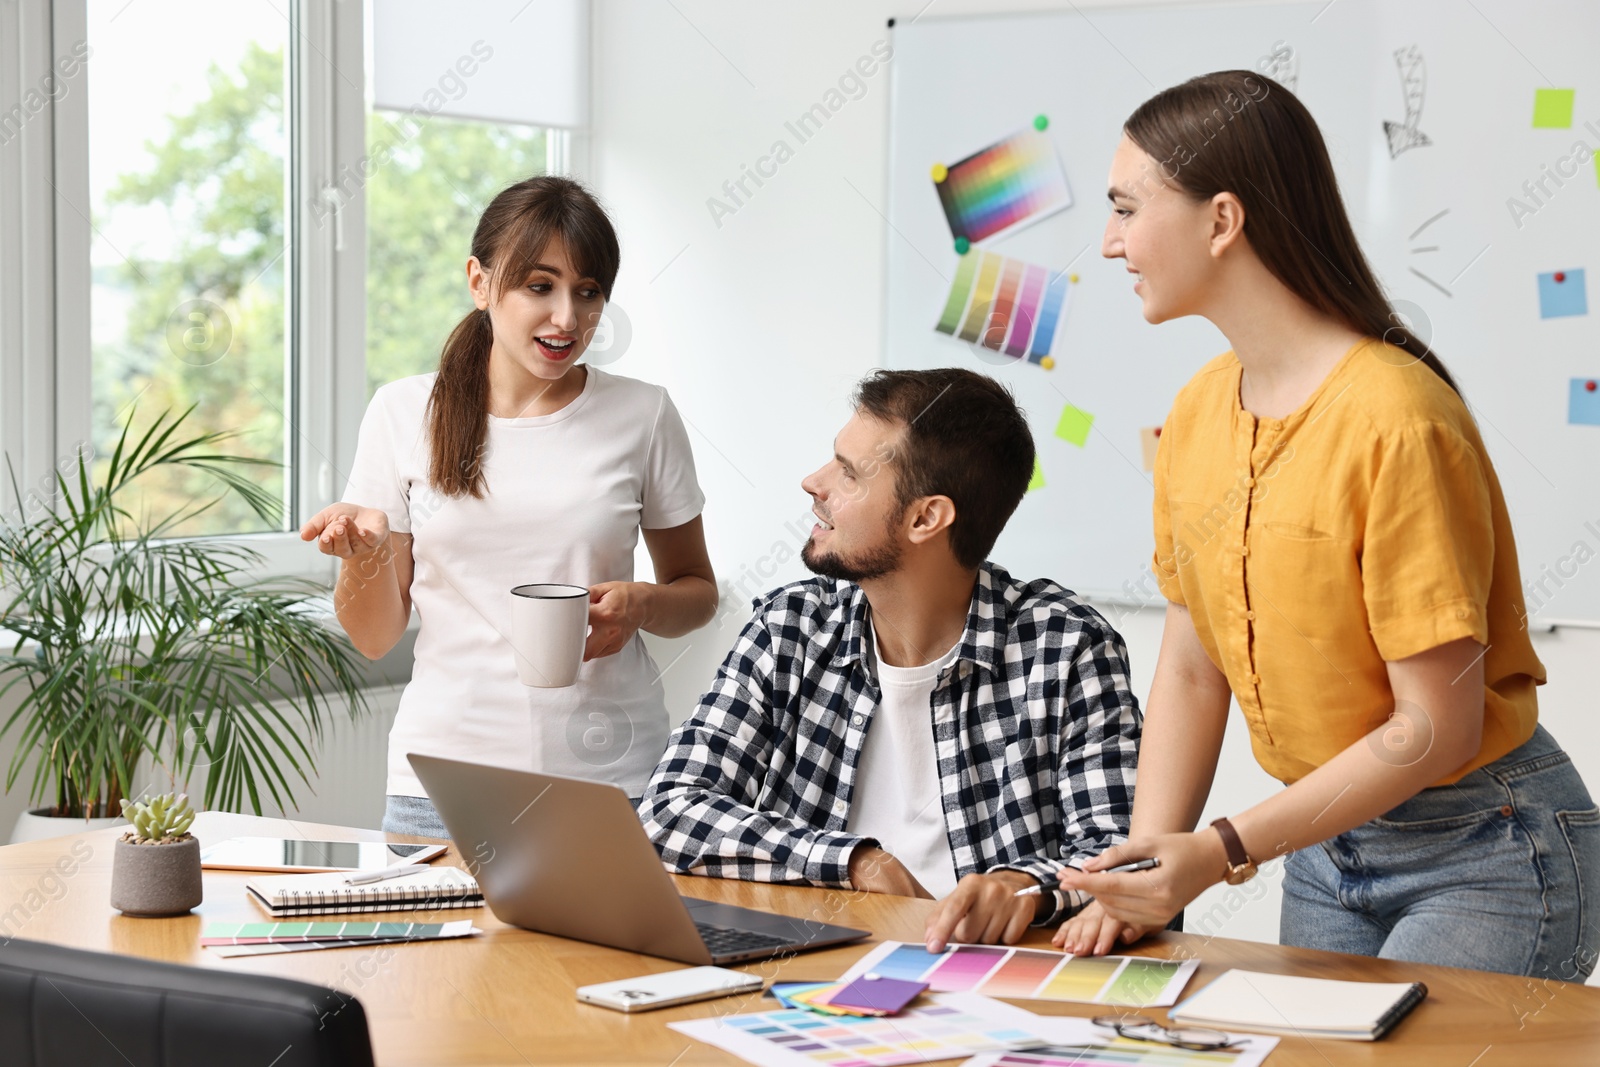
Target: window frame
(45, 399)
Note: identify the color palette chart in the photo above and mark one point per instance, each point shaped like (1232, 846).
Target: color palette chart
(259, 933)
(1032, 974)
(953, 1027)
(1006, 305)
(1003, 187)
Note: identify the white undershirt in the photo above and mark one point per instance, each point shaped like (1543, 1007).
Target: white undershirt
(897, 798)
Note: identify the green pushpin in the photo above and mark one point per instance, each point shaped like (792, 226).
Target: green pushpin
(1040, 122)
(962, 244)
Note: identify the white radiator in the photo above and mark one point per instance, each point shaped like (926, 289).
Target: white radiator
(352, 767)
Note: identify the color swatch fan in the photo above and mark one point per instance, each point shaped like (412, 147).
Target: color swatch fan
(1006, 305)
(1002, 187)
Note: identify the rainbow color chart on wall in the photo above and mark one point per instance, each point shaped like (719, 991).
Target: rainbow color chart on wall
(1001, 303)
(1003, 187)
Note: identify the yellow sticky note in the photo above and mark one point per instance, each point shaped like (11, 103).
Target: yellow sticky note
(1149, 438)
(1074, 424)
(1037, 481)
(1552, 109)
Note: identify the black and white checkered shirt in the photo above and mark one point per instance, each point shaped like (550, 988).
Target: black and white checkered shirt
(1035, 726)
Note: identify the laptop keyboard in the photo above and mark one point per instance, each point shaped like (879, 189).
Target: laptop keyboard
(727, 941)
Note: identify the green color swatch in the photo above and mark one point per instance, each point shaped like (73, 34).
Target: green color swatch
(1141, 981)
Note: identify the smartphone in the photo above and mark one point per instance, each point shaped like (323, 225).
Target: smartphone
(671, 987)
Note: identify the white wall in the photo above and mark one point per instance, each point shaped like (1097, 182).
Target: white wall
(760, 326)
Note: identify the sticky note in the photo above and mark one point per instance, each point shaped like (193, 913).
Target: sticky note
(1073, 426)
(1149, 438)
(1552, 109)
(1037, 481)
(1562, 293)
(1583, 402)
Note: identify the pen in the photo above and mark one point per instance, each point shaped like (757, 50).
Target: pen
(1051, 883)
(399, 870)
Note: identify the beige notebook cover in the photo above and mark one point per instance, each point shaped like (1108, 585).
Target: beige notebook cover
(1311, 1007)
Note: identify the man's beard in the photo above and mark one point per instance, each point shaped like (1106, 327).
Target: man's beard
(874, 563)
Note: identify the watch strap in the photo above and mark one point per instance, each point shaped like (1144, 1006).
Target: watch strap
(1237, 857)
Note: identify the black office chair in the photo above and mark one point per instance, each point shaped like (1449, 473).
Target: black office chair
(64, 1007)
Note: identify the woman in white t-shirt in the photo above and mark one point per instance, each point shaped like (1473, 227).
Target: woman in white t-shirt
(512, 465)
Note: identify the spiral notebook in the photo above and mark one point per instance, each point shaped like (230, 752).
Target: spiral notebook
(1306, 1007)
(330, 894)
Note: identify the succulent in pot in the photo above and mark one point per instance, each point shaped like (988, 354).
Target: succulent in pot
(155, 870)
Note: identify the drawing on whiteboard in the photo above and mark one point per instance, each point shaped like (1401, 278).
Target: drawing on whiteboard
(1004, 187)
(1281, 65)
(1414, 85)
(1428, 248)
(1007, 310)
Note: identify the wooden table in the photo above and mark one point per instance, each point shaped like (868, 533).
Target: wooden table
(506, 997)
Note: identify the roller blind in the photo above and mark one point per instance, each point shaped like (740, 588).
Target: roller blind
(523, 61)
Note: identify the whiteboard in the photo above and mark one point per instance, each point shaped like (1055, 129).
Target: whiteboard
(1468, 280)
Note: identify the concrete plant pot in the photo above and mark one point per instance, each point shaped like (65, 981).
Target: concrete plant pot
(149, 881)
(39, 824)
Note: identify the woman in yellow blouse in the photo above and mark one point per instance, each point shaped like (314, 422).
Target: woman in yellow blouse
(1336, 552)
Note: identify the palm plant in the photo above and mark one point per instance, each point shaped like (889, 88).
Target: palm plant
(131, 643)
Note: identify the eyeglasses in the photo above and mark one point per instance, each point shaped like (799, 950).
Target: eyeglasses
(1139, 1028)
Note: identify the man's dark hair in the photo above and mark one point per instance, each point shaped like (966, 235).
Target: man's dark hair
(961, 436)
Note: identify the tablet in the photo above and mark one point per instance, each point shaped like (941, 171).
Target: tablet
(299, 854)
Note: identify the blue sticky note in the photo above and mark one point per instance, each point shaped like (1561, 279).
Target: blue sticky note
(1583, 402)
(1562, 293)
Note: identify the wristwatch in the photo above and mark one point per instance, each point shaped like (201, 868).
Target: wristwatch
(1241, 868)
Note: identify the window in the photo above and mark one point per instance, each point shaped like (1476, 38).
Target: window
(194, 210)
(422, 207)
(188, 131)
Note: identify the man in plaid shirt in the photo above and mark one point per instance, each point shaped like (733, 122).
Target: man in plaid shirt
(913, 721)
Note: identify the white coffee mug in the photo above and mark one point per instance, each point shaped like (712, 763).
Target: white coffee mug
(549, 625)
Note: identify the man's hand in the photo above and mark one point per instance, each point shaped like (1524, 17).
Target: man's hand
(1092, 932)
(984, 909)
(872, 870)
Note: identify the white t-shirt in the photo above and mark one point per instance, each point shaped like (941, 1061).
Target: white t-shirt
(896, 797)
(567, 494)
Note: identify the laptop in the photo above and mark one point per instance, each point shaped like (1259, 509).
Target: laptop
(569, 857)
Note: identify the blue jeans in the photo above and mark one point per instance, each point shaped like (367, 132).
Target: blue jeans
(1498, 872)
(413, 815)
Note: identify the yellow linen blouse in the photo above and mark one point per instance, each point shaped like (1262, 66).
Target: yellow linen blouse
(1366, 526)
